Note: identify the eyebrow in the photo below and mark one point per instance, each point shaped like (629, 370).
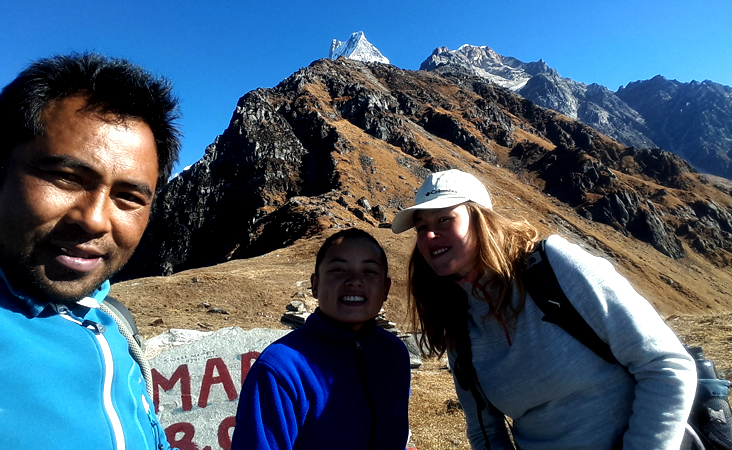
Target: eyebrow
(76, 164)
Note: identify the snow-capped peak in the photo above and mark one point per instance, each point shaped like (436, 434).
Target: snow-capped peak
(504, 71)
(358, 48)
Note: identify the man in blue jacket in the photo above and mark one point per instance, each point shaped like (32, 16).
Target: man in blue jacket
(85, 143)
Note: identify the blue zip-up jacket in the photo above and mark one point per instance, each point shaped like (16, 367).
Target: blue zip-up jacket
(322, 387)
(67, 380)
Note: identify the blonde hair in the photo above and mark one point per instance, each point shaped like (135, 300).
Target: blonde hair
(438, 304)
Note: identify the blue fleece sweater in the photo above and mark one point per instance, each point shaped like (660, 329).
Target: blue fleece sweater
(68, 380)
(321, 387)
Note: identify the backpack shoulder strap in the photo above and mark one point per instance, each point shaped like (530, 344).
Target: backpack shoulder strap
(128, 329)
(541, 282)
(121, 312)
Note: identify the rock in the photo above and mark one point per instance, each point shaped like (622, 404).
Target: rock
(379, 213)
(415, 355)
(294, 319)
(197, 377)
(296, 306)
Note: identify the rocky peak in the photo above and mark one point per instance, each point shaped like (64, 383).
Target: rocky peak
(693, 120)
(541, 84)
(484, 62)
(356, 47)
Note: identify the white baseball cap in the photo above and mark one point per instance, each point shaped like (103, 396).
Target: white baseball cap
(442, 190)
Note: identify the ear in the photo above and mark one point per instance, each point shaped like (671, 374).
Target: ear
(314, 285)
(387, 285)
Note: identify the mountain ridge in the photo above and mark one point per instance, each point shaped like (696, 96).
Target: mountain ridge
(707, 138)
(344, 143)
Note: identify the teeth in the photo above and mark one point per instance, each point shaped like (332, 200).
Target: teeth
(352, 298)
(76, 254)
(439, 251)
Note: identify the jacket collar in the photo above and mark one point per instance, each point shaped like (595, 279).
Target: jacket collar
(334, 329)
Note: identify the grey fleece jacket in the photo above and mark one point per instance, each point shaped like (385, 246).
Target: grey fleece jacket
(559, 393)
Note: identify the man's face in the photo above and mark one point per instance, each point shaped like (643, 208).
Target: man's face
(75, 201)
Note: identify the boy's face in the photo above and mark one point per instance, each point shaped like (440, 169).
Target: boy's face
(351, 284)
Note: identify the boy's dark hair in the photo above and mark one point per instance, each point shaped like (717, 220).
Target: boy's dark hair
(350, 233)
(110, 86)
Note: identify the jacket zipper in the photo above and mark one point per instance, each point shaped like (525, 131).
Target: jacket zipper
(97, 329)
(155, 428)
(361, 365)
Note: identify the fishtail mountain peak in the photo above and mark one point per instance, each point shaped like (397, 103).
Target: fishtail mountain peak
(357, 47)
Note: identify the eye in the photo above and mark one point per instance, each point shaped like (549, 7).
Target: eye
(132, 198)
(420, 227)
(68, 178)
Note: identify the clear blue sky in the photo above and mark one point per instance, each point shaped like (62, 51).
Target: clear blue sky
(216, 51)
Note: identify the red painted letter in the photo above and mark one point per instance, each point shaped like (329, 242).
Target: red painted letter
(181, 374)
(247, 359)
(209, 379)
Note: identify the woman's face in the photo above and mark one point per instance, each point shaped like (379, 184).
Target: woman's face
(446, 241)
(351, 284)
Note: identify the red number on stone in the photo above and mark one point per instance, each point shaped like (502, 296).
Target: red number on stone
(186, 441)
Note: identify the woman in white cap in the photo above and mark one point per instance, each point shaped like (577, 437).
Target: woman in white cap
(469, 297)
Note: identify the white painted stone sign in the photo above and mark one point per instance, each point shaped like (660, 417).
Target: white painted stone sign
(197, 380)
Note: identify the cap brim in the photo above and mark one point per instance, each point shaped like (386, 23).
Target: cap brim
(404, 219)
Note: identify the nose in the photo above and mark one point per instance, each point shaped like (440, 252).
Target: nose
(354, 280)
(92, 213)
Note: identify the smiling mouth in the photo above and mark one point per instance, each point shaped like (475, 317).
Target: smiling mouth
(78, 260)
(353, 298)
(439, 251)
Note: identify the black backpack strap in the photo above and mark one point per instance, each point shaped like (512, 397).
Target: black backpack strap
(541, 282)
(467, 377)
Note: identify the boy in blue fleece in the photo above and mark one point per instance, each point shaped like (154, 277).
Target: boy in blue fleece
(339, 381)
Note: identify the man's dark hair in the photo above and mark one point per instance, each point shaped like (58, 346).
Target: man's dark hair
(350, 233)
(109, 85)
